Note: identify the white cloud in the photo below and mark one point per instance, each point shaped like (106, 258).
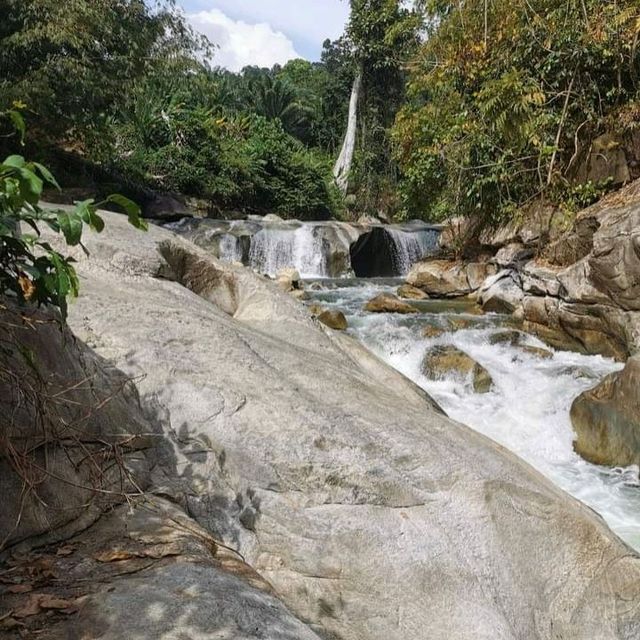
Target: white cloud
(240, 43)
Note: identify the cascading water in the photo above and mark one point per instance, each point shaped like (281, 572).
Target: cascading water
(230, 248)
(411, 246)
(314, 249)
(527, 411)
(301, 248)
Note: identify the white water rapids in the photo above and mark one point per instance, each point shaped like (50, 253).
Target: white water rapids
(528, 409)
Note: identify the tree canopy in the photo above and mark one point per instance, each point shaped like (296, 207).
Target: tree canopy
(506, 97)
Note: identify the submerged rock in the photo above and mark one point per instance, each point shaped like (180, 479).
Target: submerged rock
(537, 352)
(511, 337)
(459, 324)
(443, 361)
(388, 303)
(431, 331)
(606, 419)
(334, 319)
(412, 293)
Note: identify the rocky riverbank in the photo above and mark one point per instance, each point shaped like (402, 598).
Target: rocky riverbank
(285, 482)
(577, 290)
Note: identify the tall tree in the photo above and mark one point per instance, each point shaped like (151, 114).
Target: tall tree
(383, 35)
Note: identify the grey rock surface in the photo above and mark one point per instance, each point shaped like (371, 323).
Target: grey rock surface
(372, 514)
(501, 293)
(448, 278)
(606, 419)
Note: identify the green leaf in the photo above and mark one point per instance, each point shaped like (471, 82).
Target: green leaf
(131, 208)
(47, 175)
(71, 226)
(17, 162)
(87, 210)
(30, 186)
(18, 123)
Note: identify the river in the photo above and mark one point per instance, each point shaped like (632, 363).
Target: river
(527, 411)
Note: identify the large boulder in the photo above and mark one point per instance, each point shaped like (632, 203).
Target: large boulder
(537, 224)
(512, 255)
(145, 571)
(443, 361)
(334, 319)
(606, 419)
(388, 303)
(73, 435)
(450, 279)
(411, 293)
(501, 293)
(372, 514)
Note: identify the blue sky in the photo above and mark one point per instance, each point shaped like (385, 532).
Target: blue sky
(264, 32)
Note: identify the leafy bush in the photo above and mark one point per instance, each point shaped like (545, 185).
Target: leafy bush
(32, 271)
(246, 163)
(505, 98)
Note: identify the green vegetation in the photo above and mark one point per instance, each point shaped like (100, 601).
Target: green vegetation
(31, 270)
(116, 96)
(468, 108)
(506, 98)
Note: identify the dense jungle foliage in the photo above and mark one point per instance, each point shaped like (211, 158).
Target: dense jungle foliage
(471, 108)
(506, 99)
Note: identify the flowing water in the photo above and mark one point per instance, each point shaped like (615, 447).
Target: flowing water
(307, 247)
(528, 409)
(301, 248)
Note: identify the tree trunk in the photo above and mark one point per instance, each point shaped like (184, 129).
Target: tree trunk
(345, 159)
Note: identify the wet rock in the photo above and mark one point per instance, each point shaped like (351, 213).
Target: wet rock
(288, 280)
(501, 293)
(446, 278)
(431, 331)
(606, 419)
(272, 217)
(299, 294)
(166, 207)
(412, 293)
(334, 319)
(513, 338)
(537, 352)
(388, 303)
(443, 361)
(459, 324)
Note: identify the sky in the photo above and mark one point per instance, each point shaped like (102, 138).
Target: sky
(266, 32)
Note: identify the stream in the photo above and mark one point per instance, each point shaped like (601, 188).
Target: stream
(527, 410)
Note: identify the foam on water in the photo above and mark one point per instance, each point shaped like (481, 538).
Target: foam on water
(528, 409)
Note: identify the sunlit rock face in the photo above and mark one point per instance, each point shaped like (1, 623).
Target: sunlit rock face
(372, 514)
(607, 419)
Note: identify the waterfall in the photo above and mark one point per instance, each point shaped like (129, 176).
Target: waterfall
(409, 247)
(315, 249)
(301, 248)
(229, 248)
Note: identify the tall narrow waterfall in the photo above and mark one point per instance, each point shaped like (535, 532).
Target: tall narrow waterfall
(273, 249)
(230, 248)
(411, 246)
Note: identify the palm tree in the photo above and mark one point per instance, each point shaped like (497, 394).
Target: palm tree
(276, 99)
